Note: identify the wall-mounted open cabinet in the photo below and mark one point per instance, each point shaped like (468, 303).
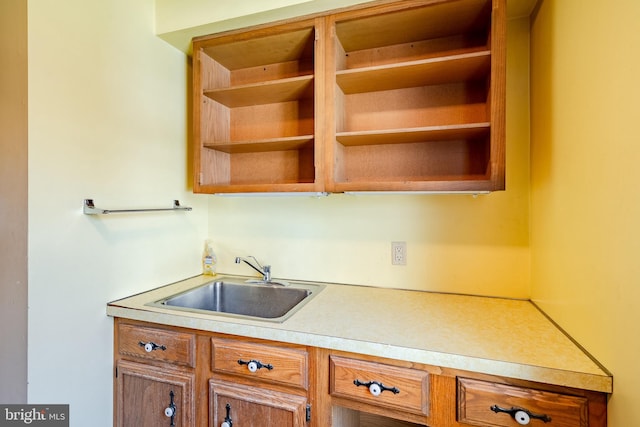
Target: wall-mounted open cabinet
(395, 96)
(255, 111)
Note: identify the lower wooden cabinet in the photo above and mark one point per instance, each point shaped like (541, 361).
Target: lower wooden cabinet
(250, 406)
(150, 396)
(485, 403)
(168, 376)
(264, 363)
(380, 385)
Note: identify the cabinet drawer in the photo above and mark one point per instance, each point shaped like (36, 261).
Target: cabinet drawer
(481, 403)
(263, 362)
(157, 344)
(391, 386)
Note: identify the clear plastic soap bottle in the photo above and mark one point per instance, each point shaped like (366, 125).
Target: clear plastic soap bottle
(208, 259)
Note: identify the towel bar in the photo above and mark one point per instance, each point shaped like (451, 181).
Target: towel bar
(90, 209)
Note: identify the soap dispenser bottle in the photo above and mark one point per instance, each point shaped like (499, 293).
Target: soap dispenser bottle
(208, 259)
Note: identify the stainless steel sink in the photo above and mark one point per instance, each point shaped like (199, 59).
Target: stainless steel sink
(273, 302)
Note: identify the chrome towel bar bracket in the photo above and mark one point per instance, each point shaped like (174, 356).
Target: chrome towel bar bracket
(90, 209)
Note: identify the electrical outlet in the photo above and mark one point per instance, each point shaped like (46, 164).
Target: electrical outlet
(399, 253)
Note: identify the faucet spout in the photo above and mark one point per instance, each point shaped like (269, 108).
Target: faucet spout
(264, 271)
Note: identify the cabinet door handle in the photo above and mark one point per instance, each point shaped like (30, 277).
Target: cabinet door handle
(520, 415)
(376, 388)
(227, 420)
(254, 365)
(170, 411)
(151, 346)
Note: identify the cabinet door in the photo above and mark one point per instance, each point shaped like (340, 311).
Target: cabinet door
(149, 396)
(246, 406)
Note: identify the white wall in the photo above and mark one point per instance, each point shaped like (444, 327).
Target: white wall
(107, 120)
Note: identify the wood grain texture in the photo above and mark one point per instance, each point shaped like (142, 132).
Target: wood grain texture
(254, 407)
(179, 347)
(413, 385)
(289, 366)
(143, 393)
(475, 398)
(426, 72)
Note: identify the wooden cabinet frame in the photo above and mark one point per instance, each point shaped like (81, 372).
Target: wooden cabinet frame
(431, 395)
(257, 100)
(395, 96)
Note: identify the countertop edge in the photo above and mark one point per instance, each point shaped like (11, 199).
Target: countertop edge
(261, 330)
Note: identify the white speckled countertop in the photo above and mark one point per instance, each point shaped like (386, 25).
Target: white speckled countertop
(510, 338)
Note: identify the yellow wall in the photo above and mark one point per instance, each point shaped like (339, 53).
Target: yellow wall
(585, 192)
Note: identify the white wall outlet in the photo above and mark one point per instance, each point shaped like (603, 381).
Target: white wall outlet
(399, 253)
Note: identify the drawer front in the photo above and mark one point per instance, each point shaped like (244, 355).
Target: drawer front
(483, 403)
(381, 385)
(262, 362)
(157, 344)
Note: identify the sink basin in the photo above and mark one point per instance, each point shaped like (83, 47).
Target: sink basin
(271, 302)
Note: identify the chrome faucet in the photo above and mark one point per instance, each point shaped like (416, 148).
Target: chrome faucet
(265, 271)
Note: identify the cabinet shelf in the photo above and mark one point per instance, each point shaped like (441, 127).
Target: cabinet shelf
(431, 21)
(426, 184)
(283, 90)
(413, 135)
(261, 49)
(432, 71)
(262, 145)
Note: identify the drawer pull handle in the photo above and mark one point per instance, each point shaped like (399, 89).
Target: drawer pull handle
(170, 411)
(522, 416)
(376, 388)
(254, 365)
(227, 420)
(151, 346)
